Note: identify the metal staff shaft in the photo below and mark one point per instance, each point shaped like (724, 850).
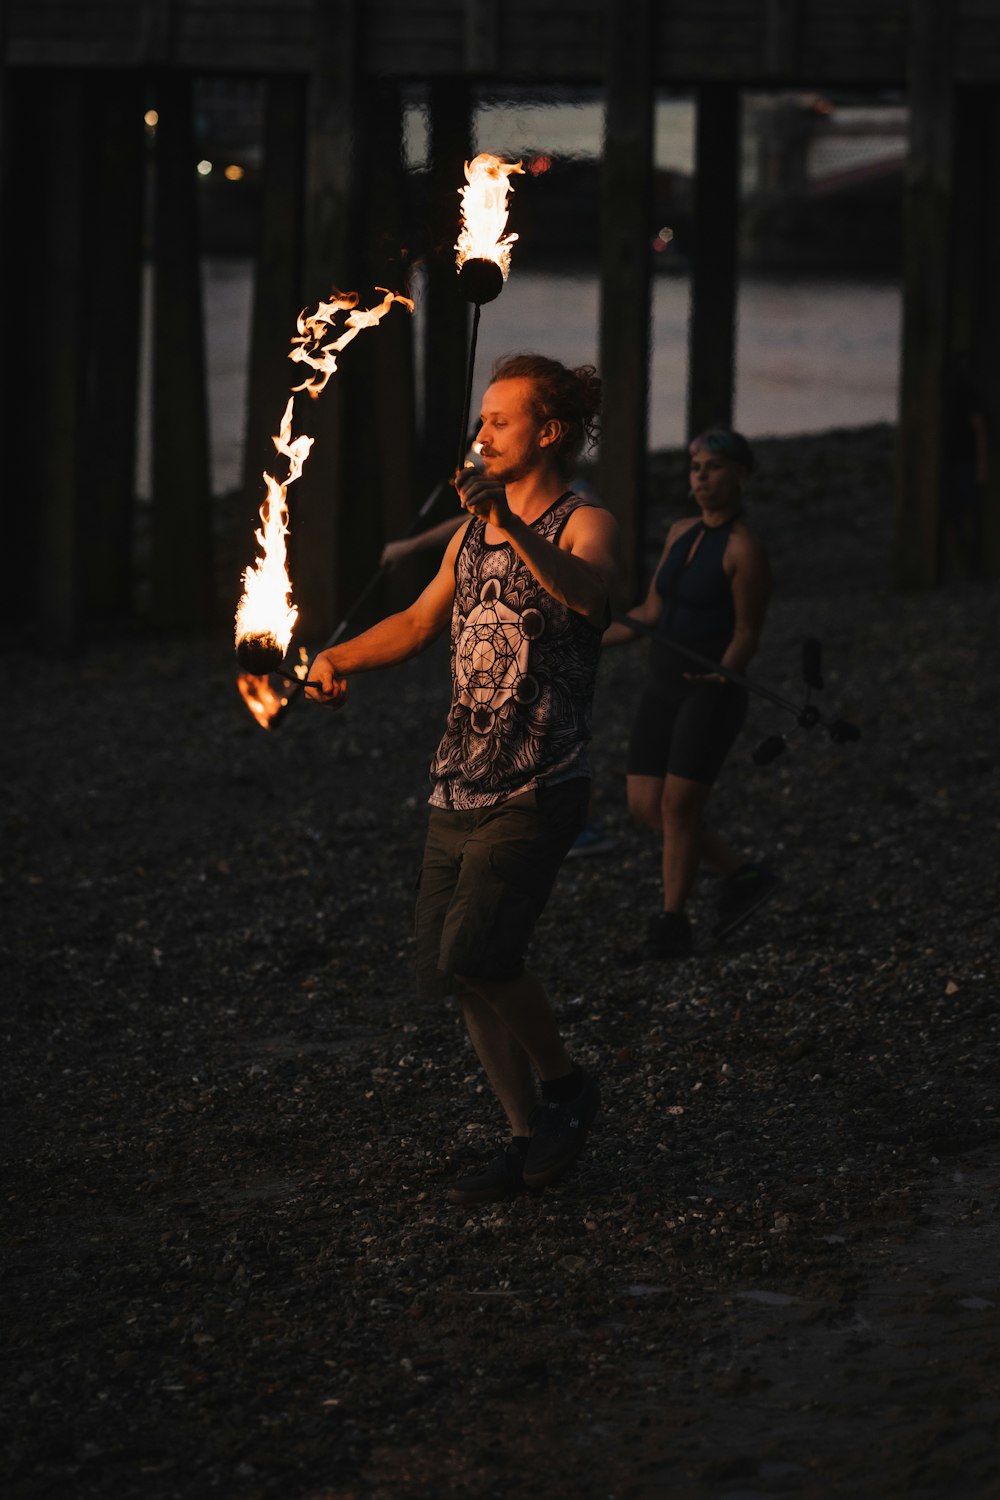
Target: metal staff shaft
(469, 372)
(715, 667)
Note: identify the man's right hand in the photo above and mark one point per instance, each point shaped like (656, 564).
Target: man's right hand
(326, 684)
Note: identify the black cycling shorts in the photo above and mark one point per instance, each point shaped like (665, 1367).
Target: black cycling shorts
(687, 732)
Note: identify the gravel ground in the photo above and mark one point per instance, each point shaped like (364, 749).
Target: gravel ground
(230, 1266)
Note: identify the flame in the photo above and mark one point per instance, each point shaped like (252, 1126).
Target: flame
(260, 698)
(266, 608)
(307, 346)
(266, 614)
(484, 211)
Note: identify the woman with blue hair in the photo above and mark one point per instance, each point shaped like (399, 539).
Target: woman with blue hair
(709, 593)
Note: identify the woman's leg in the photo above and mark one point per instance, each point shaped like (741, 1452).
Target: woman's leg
(681, 808)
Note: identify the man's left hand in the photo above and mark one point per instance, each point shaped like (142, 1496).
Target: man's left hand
(484, 497)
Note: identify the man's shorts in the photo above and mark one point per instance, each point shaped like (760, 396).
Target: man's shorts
(486, 876)
(686, 733)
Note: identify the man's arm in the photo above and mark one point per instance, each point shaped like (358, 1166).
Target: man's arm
(392, 640)
(394, 552)
(578, 570)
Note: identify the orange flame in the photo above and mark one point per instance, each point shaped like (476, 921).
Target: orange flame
(266, 608)
(260, 698)
(308, 348)
(266, 612)
(484, 211)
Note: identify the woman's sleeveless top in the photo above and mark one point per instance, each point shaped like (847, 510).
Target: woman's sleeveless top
(523, 668)
(697, 599)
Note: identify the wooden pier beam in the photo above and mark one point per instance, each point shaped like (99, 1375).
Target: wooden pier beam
(928, 201)
(278, 294)
(975, 334)
(319, 560)
(715, 271)
(114, 255)
(59, 381)
(181, 576)
(445, 313)
(626, 201)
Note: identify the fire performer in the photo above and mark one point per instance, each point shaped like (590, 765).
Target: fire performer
(524, 584)
(710, 591)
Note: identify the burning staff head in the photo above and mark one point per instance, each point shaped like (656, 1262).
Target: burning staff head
(483, 250)
(483, 257)
(266, 616)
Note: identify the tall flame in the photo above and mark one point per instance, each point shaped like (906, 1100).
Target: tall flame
(484, 211)
(266, 616)
(266, 609)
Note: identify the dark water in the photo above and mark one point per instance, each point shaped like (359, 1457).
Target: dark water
(812, 354)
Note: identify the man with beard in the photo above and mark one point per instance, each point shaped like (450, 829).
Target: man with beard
(524, 584)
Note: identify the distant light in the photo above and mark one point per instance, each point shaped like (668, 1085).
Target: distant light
(234, 173)
(539, 165)
(204, 168)
(666, 235)
(151, 118)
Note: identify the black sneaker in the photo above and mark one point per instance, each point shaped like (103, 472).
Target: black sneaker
(668, 935)
(741, 894)
(500, 1178)
(557, 1133)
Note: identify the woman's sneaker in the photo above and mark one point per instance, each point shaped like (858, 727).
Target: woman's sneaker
(668, 935)
(503, 1177)
(741, 894)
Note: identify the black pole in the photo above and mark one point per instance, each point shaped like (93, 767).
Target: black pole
(469, 371)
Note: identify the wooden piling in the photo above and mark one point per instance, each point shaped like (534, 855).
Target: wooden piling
(975, 330)
(927, 301)
(715, 270)
(318, 502)
(113, 226)
(278, 294)
(60, 377)
(445, 314)
(181, 578)
(626, 195)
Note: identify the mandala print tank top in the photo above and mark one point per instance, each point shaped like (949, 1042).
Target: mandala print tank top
(523, 668)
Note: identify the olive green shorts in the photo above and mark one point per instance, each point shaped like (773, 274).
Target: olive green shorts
(485, 879)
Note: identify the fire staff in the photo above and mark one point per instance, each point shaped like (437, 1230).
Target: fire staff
(524, 585)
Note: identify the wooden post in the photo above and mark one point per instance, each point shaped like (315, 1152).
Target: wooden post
(319, 501)
(715, 273)
(61, 386)
(383, 402)
(984, 353)
(445, 312)
(29, 175)
(975, 330)
(927, 304)
(278, 295)
(626, 192)
(114, 217)
(181, 582)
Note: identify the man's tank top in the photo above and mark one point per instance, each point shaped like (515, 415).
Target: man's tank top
(523, 668)
(697, 599)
